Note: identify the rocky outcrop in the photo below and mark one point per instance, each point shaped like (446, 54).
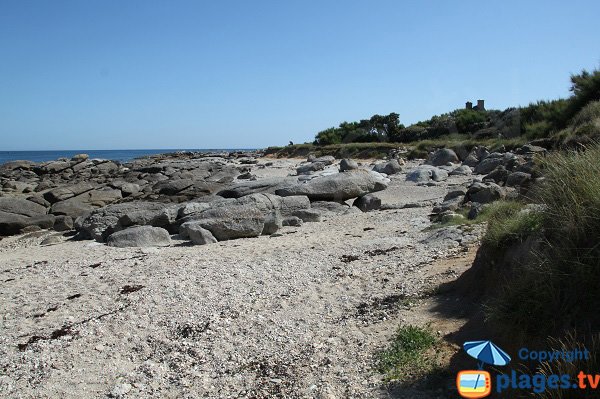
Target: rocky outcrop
(338, 187)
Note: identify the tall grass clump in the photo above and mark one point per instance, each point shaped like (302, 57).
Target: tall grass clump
(509, 222)
(558, 287)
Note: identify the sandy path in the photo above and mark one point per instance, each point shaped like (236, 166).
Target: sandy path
(284, 316)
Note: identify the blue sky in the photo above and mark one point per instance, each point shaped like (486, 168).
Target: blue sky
(105, 74)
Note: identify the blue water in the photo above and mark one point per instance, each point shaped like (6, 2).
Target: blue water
(114, 155)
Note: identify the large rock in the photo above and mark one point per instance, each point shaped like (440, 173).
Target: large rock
(20, 206)
(462, 170)
(310, 168)
(389, 168)
(485, 193)
(497, 175)
(249, 216)
(330, 207)
(294, 203)
(196, 233)
(348, 164)
(233, 221)
(471, 160)
(442, 157)
(63, 193)
(338, 187)
(327, 160)
(72, 207)
(140, 236)
(12, 223)
(426, 173)
(102, 222)
(488, 164)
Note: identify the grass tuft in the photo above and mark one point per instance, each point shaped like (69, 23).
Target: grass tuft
(405, 356)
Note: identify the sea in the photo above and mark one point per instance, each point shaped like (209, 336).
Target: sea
(113, 155)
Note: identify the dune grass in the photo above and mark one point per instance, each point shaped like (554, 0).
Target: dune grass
(559, 286)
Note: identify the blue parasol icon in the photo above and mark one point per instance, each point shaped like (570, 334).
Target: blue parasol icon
(486, 352)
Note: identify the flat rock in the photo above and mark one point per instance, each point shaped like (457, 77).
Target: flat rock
(140, 236)
(20, 206)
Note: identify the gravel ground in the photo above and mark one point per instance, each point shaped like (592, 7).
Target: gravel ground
(299, 315)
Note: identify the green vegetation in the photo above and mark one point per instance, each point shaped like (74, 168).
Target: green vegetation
(406, 355)
(376, 129)
(585, 88)
(510, 222)
(353, 150)
(540, 119)
(557, 121)
(556, 287)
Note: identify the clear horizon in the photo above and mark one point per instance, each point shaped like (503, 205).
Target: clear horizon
(190, 74)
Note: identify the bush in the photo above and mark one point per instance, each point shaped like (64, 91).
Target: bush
(328, 136)
(469, 121)
(559, 287)
(412, 133)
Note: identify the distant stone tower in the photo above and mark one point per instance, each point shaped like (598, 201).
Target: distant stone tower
(480, 105)
(469, 105)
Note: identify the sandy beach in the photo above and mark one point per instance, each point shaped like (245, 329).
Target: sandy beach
(298, 314)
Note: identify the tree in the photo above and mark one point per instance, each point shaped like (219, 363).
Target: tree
(585, 88)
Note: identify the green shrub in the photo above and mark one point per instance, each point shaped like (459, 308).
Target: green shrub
(537, 130)
(469, 121)
(328, 136)
(405, 356)
(541, 118)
